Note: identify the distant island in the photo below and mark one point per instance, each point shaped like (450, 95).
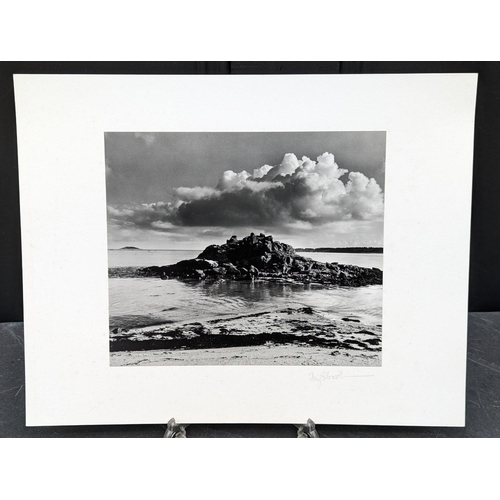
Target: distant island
(127, 248)
(343, 250)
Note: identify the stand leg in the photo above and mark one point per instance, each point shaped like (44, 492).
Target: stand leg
(308, 430)
(175, 430)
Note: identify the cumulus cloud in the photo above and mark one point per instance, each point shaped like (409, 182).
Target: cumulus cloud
(186, 194)
(288, 166)
(296, 193)
(258, 173)
(231, 180)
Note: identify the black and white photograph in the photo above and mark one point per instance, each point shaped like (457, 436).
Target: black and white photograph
(239, 248)
(268, 248)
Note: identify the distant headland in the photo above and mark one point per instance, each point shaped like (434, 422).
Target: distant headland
(342, 250)
(127, 248)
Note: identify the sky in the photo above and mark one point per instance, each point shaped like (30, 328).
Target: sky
(185, 190)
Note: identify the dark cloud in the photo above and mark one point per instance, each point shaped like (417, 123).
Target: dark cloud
(243, 207)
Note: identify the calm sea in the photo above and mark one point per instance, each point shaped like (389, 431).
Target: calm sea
(135, 302)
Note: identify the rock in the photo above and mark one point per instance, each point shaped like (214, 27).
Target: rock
(232, 270)
(263, 258)
(253, 271)
(119, 330)
(266, 258)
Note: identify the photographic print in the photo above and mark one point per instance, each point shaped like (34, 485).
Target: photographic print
(236, 235)
(240, 248)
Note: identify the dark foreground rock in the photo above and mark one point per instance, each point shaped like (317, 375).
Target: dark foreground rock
(260, 257)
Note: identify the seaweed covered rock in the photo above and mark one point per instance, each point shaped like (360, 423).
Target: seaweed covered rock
(260, 257)
(261, 251)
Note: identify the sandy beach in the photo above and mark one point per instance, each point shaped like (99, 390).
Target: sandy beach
(286, 355)
(286, 337)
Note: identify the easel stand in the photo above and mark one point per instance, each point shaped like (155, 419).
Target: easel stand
(175, 430)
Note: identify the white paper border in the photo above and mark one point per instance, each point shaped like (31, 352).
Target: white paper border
(429, 120)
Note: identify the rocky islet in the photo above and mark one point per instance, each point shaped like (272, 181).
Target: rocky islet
(259, 257)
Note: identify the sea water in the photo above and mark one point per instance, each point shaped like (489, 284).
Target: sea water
(137, 302)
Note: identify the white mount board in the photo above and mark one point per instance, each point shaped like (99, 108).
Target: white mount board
(429, 120)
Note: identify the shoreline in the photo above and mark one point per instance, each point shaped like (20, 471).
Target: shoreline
(289, 336)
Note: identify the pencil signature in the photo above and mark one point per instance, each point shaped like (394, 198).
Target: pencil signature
(327, 375)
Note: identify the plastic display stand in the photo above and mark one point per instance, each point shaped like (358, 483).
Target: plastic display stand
(175, 430)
